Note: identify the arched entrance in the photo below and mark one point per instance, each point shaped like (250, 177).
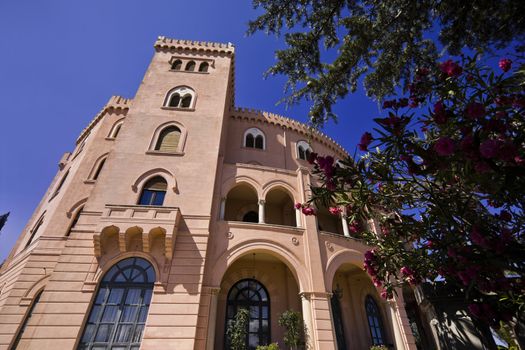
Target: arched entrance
(358, 314)
(267, 287)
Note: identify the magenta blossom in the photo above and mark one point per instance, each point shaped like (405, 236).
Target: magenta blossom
(505, 64)
(490, 148)
(475, 110)
(366, 139)
(298, 206)
(335, 210)
(451, 68)
(440, 114)
(444, 146)
(308, 211)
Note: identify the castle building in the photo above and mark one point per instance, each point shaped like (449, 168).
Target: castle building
(175, 209)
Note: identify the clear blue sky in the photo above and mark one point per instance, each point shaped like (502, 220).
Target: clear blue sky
(60, 61)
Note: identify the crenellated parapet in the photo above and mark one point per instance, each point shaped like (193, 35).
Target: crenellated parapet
(196, 46)
(115, 104)
(288, 123)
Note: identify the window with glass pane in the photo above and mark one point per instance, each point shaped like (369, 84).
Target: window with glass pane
(118, 315)
(153, 192)
(251, 295)
(338, 321)
(374, 321)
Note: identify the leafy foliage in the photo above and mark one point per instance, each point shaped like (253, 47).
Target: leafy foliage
(445, 186)
(292, 321)
(272, 346)
(237, 330)
(332, 44)
(3, 220)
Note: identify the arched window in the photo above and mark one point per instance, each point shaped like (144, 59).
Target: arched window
(374, 321)
(168, 140)
(27, 319)
(118, 315)
(254, 138)
(115, 129)
(99, 168)
(303, 150)
(35, 230)
(154, 191)
(250, 294)
(204, 67)
(176, 65)
(180, 97)
(338, 321)
(60, 184)
(75, 220)
(190, 66)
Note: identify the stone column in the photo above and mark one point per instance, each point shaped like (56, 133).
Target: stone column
(298, 218)
(307, 318)
(223, 208)
(212, 320)
(403, 337)
(261, 211)
(346, 232)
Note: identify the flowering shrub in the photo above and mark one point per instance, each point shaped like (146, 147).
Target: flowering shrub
(446, 182)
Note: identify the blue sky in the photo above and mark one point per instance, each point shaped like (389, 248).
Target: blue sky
(60, 62)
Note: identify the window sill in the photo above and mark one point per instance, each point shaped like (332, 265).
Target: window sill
(187, 71)
(254, 149)
(110, 139)
(178, 109)
(161, 153)
(90, 181)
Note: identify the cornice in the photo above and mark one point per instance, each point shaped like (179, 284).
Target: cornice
(288, 123)
(204, 46)
(115, 103)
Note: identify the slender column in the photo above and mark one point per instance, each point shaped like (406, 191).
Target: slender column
(307, 318)
(346, 232)
(298, 218)
(212, 321)
(223, 208)
(261, 211)
(402, 332)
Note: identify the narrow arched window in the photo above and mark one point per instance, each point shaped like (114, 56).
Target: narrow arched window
(259, 142)
(118, 314)
(252, 295)
(27, 320)
(61, 183)
(174, 100)
(374, 321)
(254, 138)
(99, 169)
(168, 139)
(153, 192)
(34, 231)
(190, 67)
(186, 101)
(250, 142)
(303, 150)
(180, 97)
(117, 130)
(177, 65)
(75, 220)
(203, 67)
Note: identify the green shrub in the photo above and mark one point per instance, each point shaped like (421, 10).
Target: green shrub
(237, 330)
(272, 346)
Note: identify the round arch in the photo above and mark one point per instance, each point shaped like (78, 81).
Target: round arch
(105, 266)
(279, 184)
(182, 91)
(158, 130)
(346, 256)
(232, 182)
(271, 248)
(145, 177)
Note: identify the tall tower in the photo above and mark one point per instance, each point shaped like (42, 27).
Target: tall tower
(176, 209)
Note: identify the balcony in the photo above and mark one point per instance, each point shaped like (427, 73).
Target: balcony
(136, 228)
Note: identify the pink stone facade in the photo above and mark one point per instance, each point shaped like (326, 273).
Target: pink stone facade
(227, 216)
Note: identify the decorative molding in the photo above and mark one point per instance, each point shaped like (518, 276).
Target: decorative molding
(198, 46)
(295, 241)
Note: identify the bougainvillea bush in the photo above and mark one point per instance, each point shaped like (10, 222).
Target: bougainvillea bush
(443, 177)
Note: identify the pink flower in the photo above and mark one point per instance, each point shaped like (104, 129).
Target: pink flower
(384, 294)
(406, 271)
(440, 114)
(475, 110)
(377, 283)
(354, 227)
(444, 146)
(308, 211)
(312, 157)
(505, 64)
(450, 68)
(490, 148)
(335, 211)
(366, 139)
(298, 206)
